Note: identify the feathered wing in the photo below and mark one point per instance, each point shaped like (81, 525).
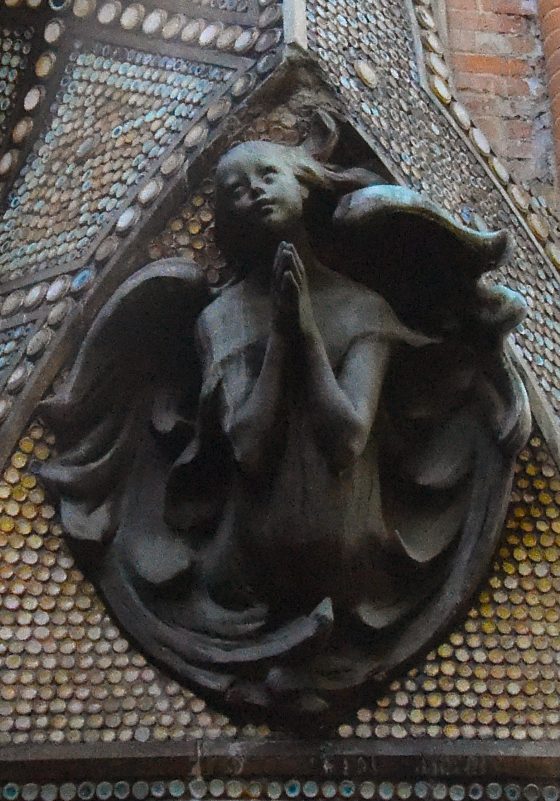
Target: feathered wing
(136, 379)
(455, 410)
(414, 254)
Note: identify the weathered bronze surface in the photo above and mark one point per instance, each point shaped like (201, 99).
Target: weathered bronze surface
(290, 486)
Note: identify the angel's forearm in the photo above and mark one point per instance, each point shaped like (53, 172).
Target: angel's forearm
(337, 423)
(342, 411)
(252, 426)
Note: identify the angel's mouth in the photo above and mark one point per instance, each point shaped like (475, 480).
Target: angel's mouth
(264, 207)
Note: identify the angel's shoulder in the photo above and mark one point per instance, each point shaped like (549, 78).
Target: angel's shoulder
(364, 312)
(226, 325)
(358, 300)
(223, 309)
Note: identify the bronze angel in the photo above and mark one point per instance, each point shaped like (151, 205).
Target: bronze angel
(290, 486)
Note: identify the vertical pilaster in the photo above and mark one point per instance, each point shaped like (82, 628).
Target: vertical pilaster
(295, 23)
(549, 15)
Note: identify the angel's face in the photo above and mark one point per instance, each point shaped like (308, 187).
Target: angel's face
(260, 187)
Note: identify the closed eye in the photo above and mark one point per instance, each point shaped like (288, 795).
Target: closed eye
(268, 173)
(236, 190)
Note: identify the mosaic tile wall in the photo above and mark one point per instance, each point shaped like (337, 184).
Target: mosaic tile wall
(400, 790)
(15, 46)
(368, 54)
(115, 113)
(12, 342)
(103, 128)
(69, 675)
(240, 6)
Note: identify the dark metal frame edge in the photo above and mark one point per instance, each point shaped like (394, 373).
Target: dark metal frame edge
(425, 758)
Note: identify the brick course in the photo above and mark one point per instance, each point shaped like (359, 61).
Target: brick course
(497, 60)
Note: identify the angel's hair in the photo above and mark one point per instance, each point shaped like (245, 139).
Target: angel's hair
(326, 184)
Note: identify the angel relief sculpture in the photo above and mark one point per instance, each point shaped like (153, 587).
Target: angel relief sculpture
(289, 487)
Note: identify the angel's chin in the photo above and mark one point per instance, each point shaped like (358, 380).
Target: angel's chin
(272, 221)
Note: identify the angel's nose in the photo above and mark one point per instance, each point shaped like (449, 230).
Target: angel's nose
(257, 188)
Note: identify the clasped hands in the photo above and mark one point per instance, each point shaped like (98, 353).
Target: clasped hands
(291, 301)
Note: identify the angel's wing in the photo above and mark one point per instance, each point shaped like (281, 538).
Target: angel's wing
(429, 268)
(137, 368)
(414, 254)
(456, 412)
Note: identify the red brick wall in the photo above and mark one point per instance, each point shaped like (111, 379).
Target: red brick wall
(496, 56)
